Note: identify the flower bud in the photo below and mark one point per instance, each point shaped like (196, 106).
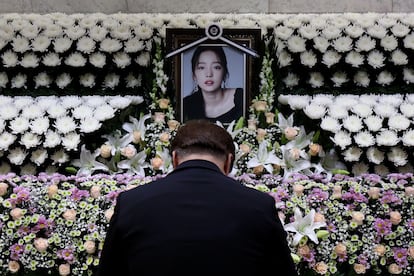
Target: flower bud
(322, 234)
(314, 149)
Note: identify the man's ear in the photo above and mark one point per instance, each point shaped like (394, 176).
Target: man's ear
(174, 159)
(228, 164)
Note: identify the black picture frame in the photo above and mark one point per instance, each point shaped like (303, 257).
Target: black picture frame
(243, 68)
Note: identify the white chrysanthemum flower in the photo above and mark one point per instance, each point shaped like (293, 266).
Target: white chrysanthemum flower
(22, 101)
(32, 111)
(407, 109)
(298, 102)
(51, 59)
(59, 157)
(347, 100)
(110, 45)
(308, 58)
(65, 21)
(407, 168)
(87, 80)
(19, 125)
(75, 32)
(389, 43)
(20, 44)
(374, 155)
(408, 138)
(369, 99)
(42, 80)
(98, 60)
(143, 32)
(29, 60)
(314, 111)
(119, 102)
(30, 31)
(387, 138)
(386, 21)
(400, 30)
(8, 112)
(82, 111)
(75, 60)
(339, 21)
(330, 124)
(133, 45)
(63, 80)
(398, 122)
(39, 125)
(29, 140)
(322, 99)
(352, 123)
(65, 124)
(376, 59)
(354, 58)
(70, 101)
(398, 156)
(385, 110)
(94, 101)
(56, 111)
(321, 44)
(362, 110)
(89, 124)
(331, 32)
(361, 78)
(121, 60)
(392, 99)
(39, 156)
(381, 170)
(343, 44)
(5, 100)
(409, 41)
(53, 31)
(17, 156)
(104, 112)
(354, 31)
(9, 59)
(291, 80)
(284, 59)
(71, 141)
(143, 59)
(398, 57)
(6, 140)
(293, 22)
(330, 58)
(373, 123)
(364, 139)
(62, 44)
(365, 43)
(132, 81)
(283, 32)
(339, 78)
(409, 98)
(342, 139)
(367, 20)
(308, 31)
(338, 111)
(2, 125)
(4, 168)
(360, 169)
(377, 31)
(316, 79)
(352, 154)
(296, 44)
(318, 22)
(111, 81)
(98, 33)
(4, 79)
(41, 43)
(385, 78)
(52, 139)
(122, 32)
(408, 75)
(85, 45)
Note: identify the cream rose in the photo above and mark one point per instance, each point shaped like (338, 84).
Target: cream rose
(163, 103)
(270, 117)
(16, 213)
(409, 191)
(164, 137)
(360, 268)
(260, 134)
(337, 192)
(340, 249)
(129, 151)
(245, 148)
(394, 269)
(105, 151)
(52, 190)
(95, 191)
(41, 244)
(14, 266)
(70, 215)
(109, 213)
(298, 189)
(258, 169)
(321, 268)
(159, 117)
(380, 250)
(90, 247)
(156, 163)
(374, 192)
(252, 124)
(3, 188)
(291, 133)
(260, 106)
(173, 124)
(319, 217)
(294, 153)
(64, 269)
(358, 217)
(411, 251)
(314, 149)
(395, 217)
(136, 136)
(304, 250)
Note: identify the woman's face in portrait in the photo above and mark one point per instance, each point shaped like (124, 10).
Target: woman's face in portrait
(209, 72)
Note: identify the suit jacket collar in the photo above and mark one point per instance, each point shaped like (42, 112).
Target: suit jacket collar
(197, 163)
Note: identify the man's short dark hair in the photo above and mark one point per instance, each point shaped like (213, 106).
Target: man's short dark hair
(202, 136)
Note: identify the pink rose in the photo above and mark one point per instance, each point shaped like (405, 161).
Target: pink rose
(52, 190)
(291, 133)
(105, 150)
(295, 153)
(321, 268)
(64, 269)
(41, 244)
(129, 151)
(298, 189)
(319, 217)
(90, 247)
(374, 192)
(3, 188)
(395, 217)
(95, 191)
(70, 215)
(14, 266)
(16, 213)
(337, 192)
(409, 191)
(358, 217)
(157, 162)
(411, 251)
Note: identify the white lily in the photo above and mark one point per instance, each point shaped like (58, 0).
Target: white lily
(304, 226)
(117, 141)
(284, 123)
(87, 163)
(136, 164)
(231, 129)
(264, 157)
(136, 125)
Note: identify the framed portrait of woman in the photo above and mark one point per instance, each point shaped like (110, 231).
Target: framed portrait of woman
(213, 78)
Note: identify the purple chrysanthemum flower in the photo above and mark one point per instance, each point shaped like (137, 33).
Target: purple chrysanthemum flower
(382, 226)
(410, 224)
(66, 254)
(15, 251)
(400, 256)
(317, 195)
(77, 194)
(389, 196)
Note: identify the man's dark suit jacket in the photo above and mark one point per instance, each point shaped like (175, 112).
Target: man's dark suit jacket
(195, 221)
